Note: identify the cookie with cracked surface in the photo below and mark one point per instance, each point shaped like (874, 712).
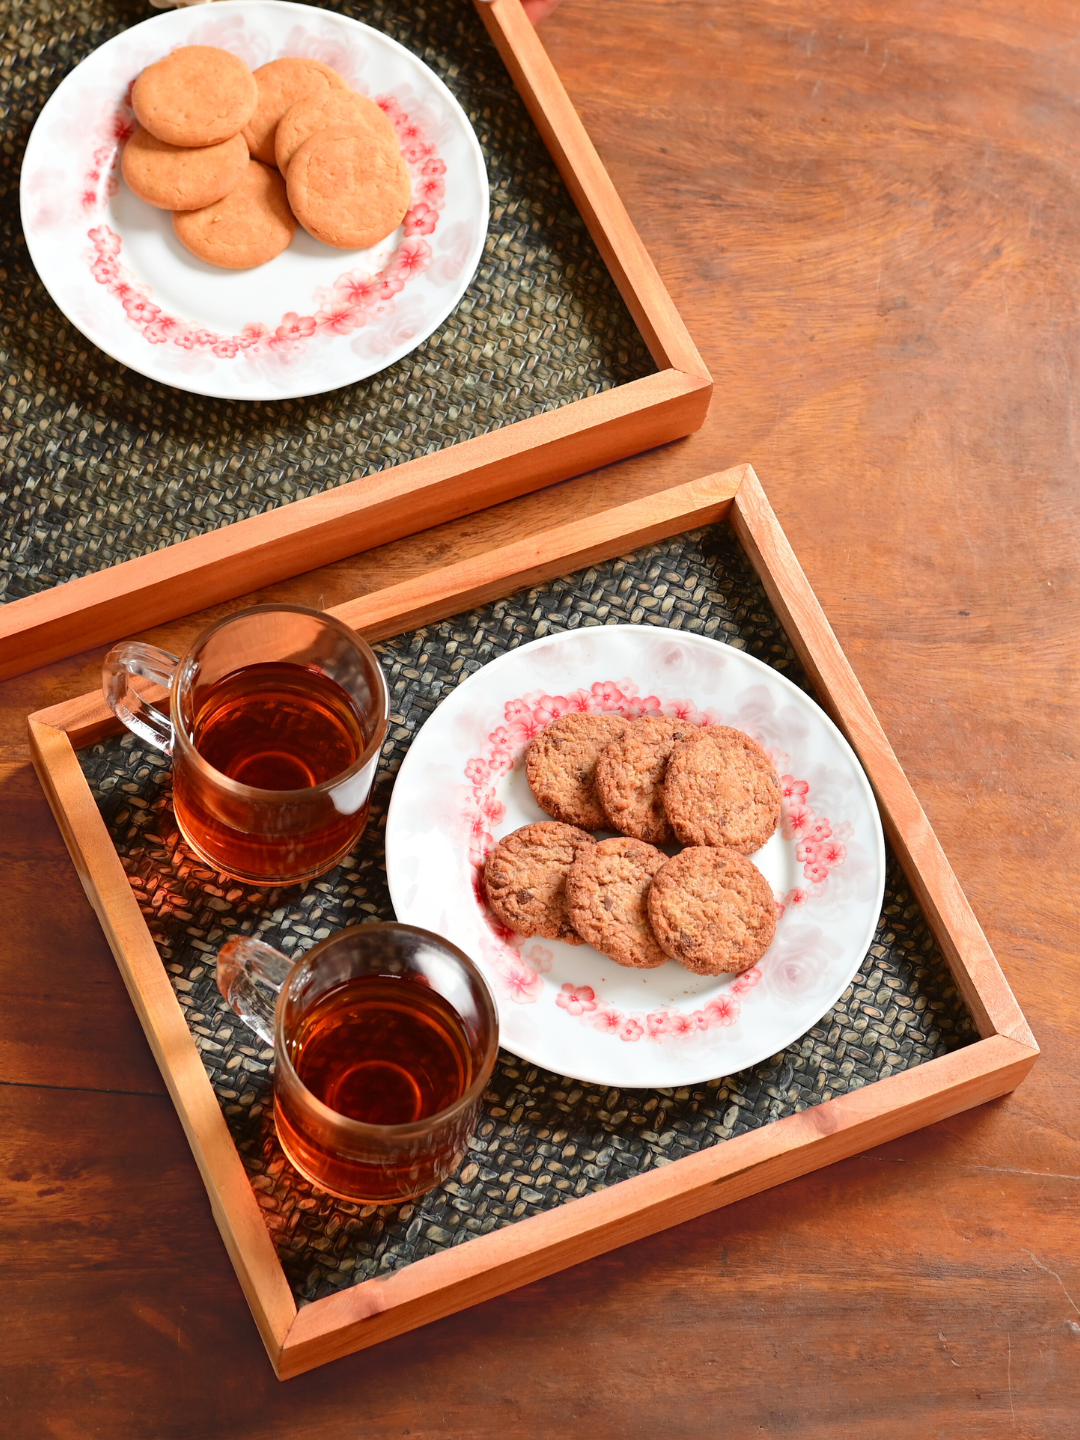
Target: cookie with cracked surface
(630, 777)
(607, 892)
(561, 767)
(721, 789)
(197, 95)
(180, 177)
(712, 910)
(283, 84)
(525, 879)
(249, 227)
(347, 191)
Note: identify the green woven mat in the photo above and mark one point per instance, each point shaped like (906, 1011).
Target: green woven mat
(543, 1139)
(100, 465)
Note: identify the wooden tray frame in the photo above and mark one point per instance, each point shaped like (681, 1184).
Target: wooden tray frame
(417, 494)
(490, 1264)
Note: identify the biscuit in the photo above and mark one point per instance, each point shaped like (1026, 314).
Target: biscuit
(712, 910)
(283, 84)
(607, 893)
(198, 95)
(525, 879)
(341, 111)
(561, 767)
(721, 789)
(175, 177)
(251, 225)
(630, 777)
(346, 190)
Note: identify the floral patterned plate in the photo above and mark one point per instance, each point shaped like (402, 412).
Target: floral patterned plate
(314, 318)
(462, 786)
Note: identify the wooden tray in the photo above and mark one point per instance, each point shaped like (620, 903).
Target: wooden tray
(417, 494)
(490, 1264)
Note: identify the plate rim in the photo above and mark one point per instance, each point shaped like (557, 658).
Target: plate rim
(846, 747)
(207, 388)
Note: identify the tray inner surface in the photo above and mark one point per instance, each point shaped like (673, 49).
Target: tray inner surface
(101, 465)
(544, 1139)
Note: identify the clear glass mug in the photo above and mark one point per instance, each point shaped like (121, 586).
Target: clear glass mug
(384, 1037)
(277, 715)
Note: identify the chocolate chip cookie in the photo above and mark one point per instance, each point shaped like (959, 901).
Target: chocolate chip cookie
(712, 910)
(630, 777)
(607, 891)
(721, 789)
(561, 767)
(525, 879)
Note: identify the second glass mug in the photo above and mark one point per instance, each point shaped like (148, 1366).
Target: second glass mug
(279, 694)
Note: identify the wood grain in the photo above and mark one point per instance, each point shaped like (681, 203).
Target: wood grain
(870, 220)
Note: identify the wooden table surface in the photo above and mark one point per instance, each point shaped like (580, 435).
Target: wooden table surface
(870, 219)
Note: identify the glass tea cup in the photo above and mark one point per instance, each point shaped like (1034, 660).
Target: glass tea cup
(384, 1037)
(277, 717)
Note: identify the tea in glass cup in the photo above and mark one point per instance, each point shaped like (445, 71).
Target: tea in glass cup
(384, 1037)
(277, 718)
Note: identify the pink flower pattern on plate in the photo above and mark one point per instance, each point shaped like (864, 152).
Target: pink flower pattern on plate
(350, 303)
(519, 978)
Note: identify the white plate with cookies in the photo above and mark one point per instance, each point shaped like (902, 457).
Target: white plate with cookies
(276, 310)
(749, 982)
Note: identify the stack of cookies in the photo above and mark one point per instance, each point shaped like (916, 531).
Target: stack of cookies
(658, 781)
(240, 157)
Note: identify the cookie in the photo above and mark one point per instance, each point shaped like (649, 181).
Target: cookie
(712, 910)
(630, 777)
(561, 767)
(283, 84)
(198, 95)
(525, 879)
(175, 177)
(249, 227)
(607, 893)
(346, 190)
(346, 111)
(721, 789)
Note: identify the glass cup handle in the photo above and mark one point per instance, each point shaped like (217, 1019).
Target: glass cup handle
(240, 963)
(140, 716)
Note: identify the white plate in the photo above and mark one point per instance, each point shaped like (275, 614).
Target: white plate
(462, 786)
(312, 319)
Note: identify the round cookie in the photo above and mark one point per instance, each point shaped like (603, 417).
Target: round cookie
(283, 84)
(341, 111)
(561, 767)
(251, 225)
(607, 893)
(198, 95)
(721, 789)
(175, 177)
(346, 190)
(630, 777)
(712, 910)
(525, 879)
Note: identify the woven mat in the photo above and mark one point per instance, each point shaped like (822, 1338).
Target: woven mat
(103, 465)
(544, 1139)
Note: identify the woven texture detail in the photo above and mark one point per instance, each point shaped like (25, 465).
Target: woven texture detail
(543, 1139)
(101, 465)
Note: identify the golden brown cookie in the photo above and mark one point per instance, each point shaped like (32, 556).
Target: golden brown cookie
(607, 893)
(525, 879)
(198, 95)
(346, 111)
(347, 191)
(175, 177)
(561, 767)
(630, 777)
(249, 227)
(721, 789)
(712, 910)
(283, 84)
